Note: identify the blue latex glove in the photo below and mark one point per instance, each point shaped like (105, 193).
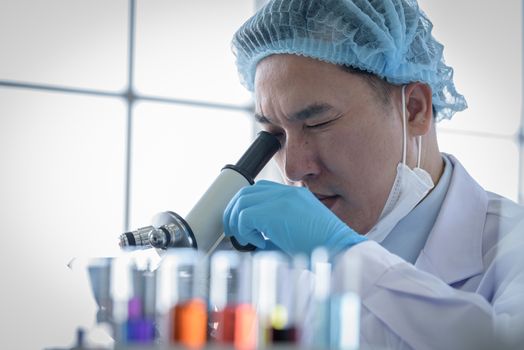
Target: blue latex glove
(292, 218)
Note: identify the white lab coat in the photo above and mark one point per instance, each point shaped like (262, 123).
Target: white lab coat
(466, 285)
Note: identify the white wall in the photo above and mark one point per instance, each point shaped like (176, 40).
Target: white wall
(483, 43)
(63, 155)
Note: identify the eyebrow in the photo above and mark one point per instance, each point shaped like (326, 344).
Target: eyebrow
(310, 111)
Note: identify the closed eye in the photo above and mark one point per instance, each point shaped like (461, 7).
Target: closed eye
(322, 124)
(319, 125)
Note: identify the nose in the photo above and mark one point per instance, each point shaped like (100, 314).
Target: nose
(299, 159)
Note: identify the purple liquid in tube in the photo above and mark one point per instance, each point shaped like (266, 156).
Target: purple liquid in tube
(138, 329)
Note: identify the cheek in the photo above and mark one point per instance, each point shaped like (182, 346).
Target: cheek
(360, 156)
(343, 145)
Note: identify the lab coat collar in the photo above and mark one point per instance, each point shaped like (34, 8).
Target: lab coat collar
(453, 250)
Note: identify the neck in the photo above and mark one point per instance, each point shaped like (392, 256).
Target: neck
(432, 160)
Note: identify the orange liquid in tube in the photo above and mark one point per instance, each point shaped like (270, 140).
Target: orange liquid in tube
(245, 327)
(237, 326)
(188, 323)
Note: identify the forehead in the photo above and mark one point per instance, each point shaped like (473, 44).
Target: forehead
(290, 80)
(283, 67)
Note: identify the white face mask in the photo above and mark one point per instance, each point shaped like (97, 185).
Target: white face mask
(409, 188)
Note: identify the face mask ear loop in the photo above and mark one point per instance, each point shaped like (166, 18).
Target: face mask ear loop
(419, 151)
(404, 128)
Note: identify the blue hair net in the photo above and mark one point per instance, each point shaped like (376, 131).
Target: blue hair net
(390, 38)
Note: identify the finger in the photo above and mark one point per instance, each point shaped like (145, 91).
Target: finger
(255, 238)
(242, 201)
(241, 240)
(266, 183)
(235, 205)
(245, 191)
(247, 229)
(275, 187)
(227, 215)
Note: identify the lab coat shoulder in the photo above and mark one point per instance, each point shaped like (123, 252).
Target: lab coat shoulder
(467, 282)
(468, 232)
(502, 216)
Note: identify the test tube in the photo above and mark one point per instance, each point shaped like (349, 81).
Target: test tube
(230, 296)
(284, 317)
(99, 272)
(121, 290)
(133, 287)
(321, 298)
(274, 294)
(345, 304)
(182, 299)
(140, 326)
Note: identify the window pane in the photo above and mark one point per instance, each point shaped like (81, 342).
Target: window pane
(486, 54)
(64, 42)
(61, 196)
(183, 49)
(178, 152)
(492, 162)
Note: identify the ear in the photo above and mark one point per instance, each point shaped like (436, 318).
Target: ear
(419, 108)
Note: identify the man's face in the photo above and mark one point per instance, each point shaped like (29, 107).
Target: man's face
(339, 139)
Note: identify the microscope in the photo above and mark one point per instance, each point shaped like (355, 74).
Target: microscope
(202, 228)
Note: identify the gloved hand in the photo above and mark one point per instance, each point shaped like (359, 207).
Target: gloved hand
(292, 218)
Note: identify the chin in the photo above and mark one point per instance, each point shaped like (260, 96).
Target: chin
(357, 225)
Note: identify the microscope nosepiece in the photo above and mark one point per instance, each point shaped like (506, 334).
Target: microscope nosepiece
(160, 239)
(138, 238)
(175, 233)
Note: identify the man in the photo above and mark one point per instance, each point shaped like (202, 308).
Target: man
(353, 90)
